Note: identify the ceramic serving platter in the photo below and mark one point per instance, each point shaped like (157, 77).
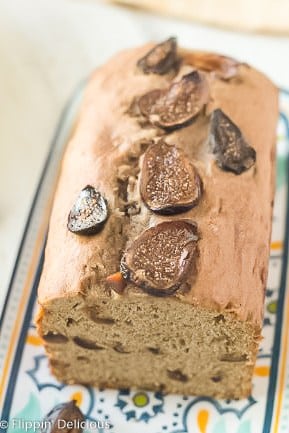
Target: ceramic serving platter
(28, 391)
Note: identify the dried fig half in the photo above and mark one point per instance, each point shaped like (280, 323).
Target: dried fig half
(89, 212)
(158, 261)
(224, 67)
(169, 182)
(66, 417)
(178, 105)
(231, 150)
(160, 59)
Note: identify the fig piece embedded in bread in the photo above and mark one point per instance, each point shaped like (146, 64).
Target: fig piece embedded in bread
(116, 282)
(89, 213)
(176, 106)
(231, 150)
(169, 182)
(161, 59)
(158, 261)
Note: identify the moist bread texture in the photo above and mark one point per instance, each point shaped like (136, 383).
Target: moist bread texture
(165, 290)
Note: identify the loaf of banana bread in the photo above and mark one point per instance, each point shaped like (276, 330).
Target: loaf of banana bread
(157, 254)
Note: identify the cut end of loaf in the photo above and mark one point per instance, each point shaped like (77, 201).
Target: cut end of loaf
(171, 347)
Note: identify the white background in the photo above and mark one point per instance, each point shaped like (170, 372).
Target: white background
(46, 48)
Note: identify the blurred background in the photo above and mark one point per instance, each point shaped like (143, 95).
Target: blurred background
(48, 46)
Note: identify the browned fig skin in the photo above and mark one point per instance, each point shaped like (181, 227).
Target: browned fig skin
(224, 67)
(89, 212)
(159, 259)
(231, 150)
(178, 105)
(160, 59)
(169, 183)
(67, 413)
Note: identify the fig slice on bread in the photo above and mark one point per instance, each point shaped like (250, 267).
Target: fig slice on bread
(61, 415)
(223, 67)
(89, 212)
(176, 106)
(231, 150)
(159, 260)
(169, 182)
(160, 59)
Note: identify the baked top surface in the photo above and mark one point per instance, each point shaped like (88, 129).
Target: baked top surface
(233, 215)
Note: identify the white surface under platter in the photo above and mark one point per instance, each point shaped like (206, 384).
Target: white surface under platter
(46, 48)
